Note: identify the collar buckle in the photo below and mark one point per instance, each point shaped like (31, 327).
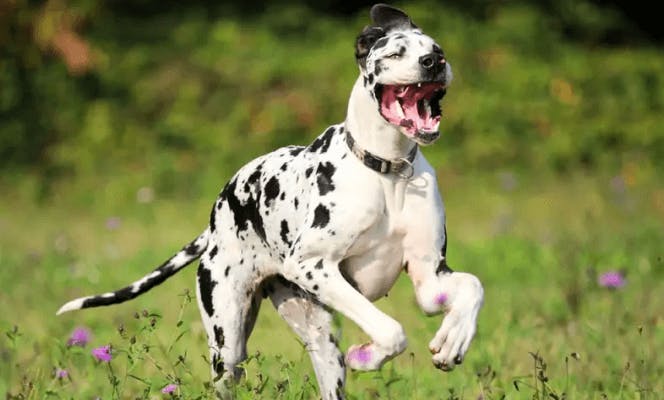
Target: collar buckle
(406, 170)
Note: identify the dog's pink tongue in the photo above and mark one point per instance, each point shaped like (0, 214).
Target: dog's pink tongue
(405, 99)
(389, 105)
(421, 117)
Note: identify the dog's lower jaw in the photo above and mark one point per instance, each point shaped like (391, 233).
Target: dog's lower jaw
(370, 130)
(426, 138)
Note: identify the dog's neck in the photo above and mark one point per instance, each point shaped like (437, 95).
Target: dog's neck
(370, 130)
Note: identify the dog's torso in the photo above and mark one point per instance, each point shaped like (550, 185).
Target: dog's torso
(305, 201)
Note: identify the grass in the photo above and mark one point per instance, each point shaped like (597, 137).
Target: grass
(538, 243)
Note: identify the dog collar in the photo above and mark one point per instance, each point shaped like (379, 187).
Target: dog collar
(402, 167)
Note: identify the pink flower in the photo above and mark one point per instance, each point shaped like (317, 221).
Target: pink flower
(612, 280)
(113, 223)
(102, 353)
(170, 388)
(61, 373)
(79, 337)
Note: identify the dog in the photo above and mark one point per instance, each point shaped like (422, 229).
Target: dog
(330, 226)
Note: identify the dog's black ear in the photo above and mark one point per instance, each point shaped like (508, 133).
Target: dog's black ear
(388, 17)
(365, 41)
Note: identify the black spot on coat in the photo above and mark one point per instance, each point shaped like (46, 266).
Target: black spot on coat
(271, 190)
(191, 249)
(321, 217)
(213, 252)
(284, 233)
(322, 142)
(378, 68)
(206, 285)
(295, 150)
(213, 217)
(324, 173)
(218, 365)
(253, 179)
(244, 212)
(219, 336)
(443, 268)
(332, 339)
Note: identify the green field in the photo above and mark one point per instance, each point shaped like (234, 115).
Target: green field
(550, 164)
(538, 245)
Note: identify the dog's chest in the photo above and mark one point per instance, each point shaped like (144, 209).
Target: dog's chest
(375, 271)
(376, 258)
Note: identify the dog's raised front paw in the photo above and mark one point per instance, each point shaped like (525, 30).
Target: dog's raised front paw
(451, 342)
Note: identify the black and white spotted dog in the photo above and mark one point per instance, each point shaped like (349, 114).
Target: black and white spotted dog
(331, 226)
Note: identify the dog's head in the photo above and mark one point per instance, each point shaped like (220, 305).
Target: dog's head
(405, 71)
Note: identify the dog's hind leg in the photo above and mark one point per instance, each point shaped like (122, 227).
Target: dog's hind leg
(312, 322)
(229, 305)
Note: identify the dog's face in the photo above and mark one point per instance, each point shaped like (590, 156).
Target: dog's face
(405, 71)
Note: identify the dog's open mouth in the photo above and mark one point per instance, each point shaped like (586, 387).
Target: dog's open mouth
(415, 107)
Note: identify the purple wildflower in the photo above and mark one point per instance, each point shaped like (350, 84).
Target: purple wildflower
(113, 223)
(612, 280)
(79, 337)
(170, 388)
(61, 373)
(102, 353)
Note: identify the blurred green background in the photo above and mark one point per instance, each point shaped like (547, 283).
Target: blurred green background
(176, 96)
(121, 120)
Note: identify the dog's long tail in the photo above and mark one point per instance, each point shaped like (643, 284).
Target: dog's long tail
(180, 260)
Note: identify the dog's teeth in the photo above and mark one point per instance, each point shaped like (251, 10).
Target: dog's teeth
(400, 111)
(419, 85)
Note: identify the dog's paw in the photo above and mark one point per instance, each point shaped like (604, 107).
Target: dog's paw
(364, 357)
(451, 342)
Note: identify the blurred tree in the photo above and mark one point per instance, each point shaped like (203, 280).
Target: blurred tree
(162, 80)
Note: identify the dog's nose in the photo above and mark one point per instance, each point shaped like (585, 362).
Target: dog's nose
(431, 60)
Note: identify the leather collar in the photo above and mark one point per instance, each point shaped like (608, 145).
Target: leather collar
(402, 167)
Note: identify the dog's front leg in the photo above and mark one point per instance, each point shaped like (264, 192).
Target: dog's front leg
(460, 295)
(323, 280)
